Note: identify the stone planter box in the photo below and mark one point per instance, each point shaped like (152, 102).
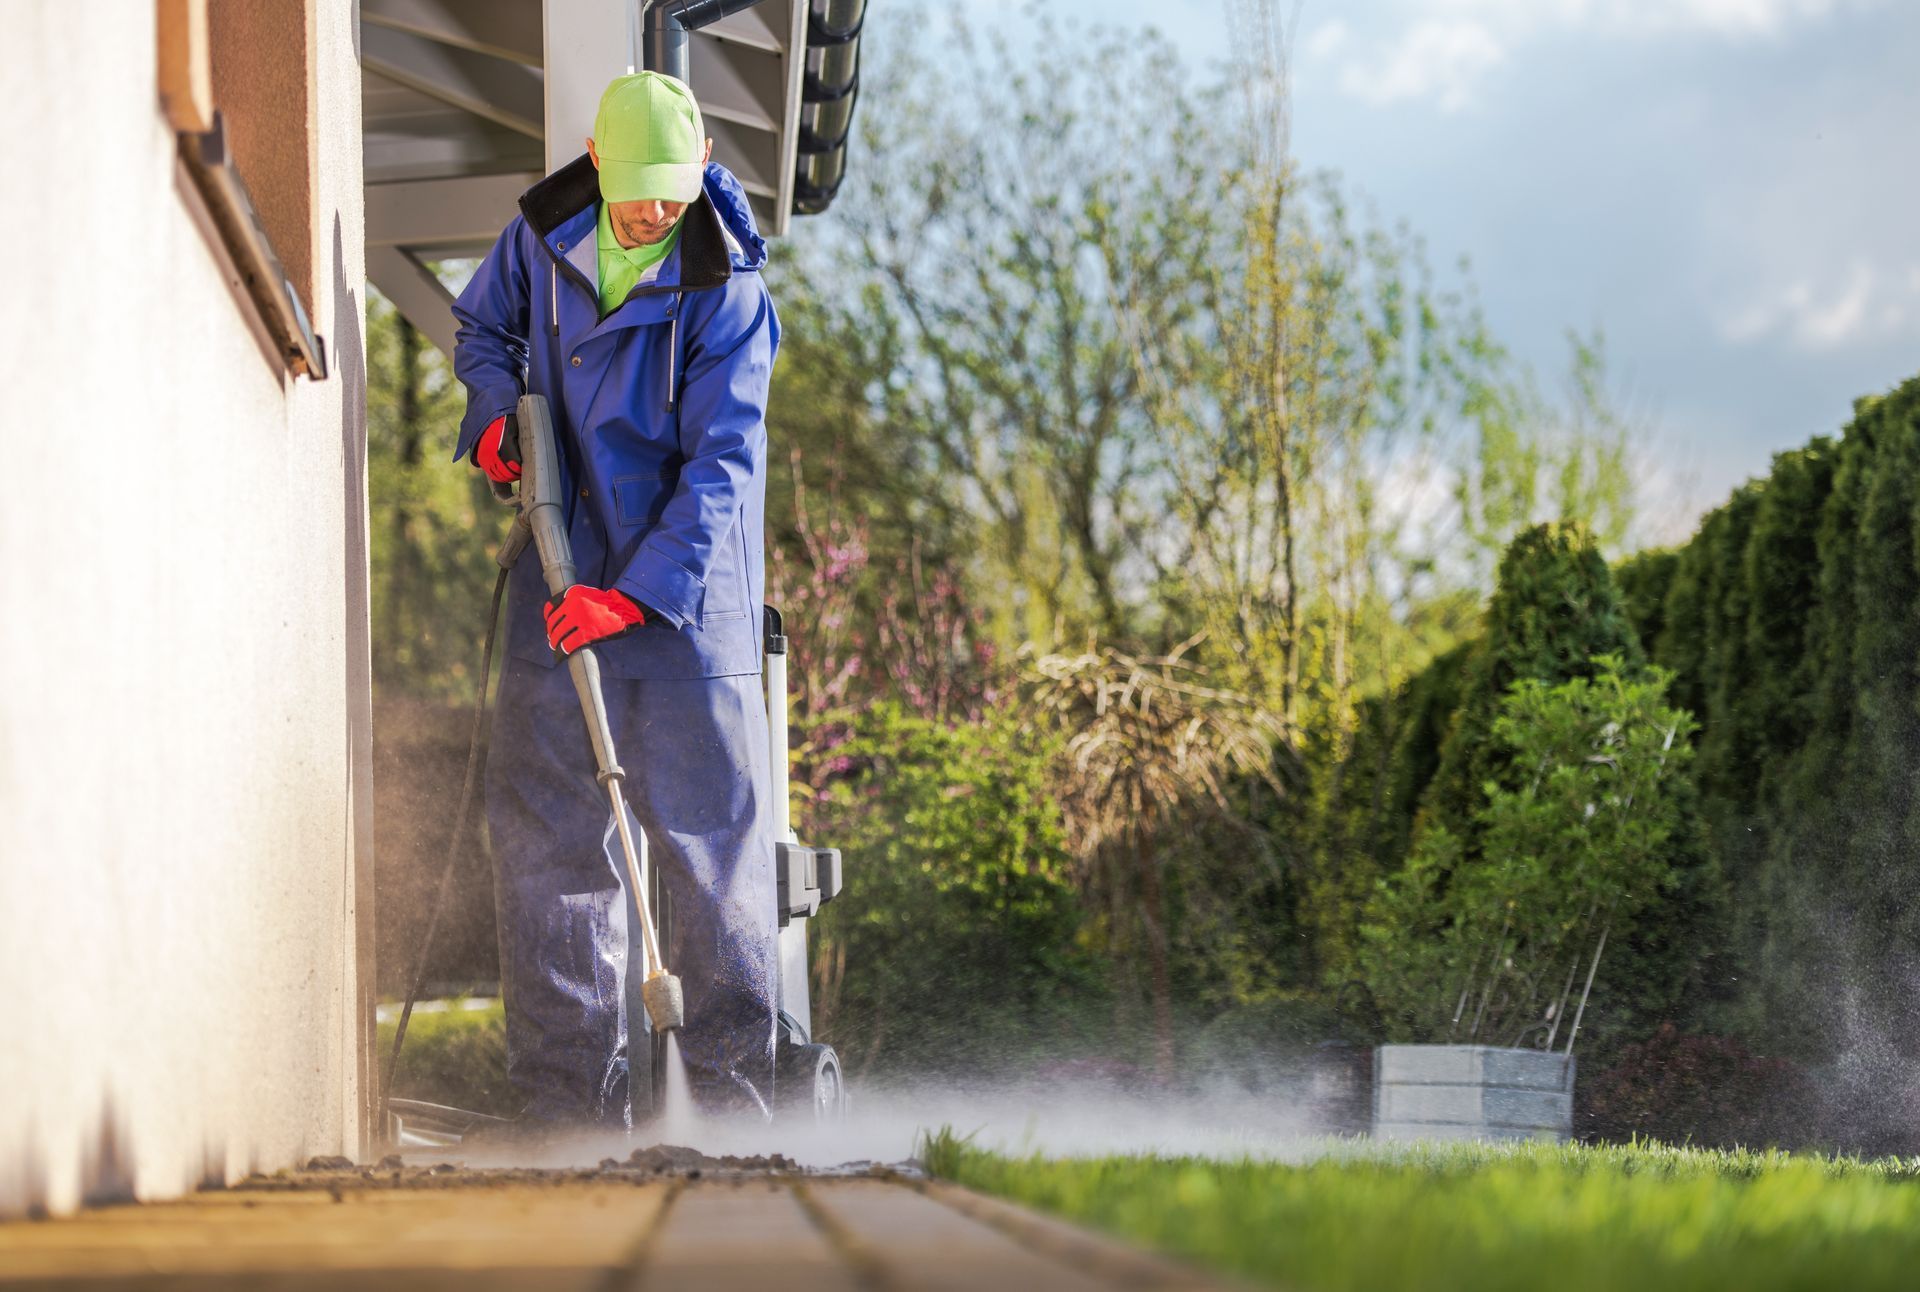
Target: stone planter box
(1471, 1092)
(1340, 1088)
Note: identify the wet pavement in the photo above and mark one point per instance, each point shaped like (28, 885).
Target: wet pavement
(660, 1219)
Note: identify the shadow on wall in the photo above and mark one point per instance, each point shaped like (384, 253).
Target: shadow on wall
(28, 1188)
(23, 1179)
(107, 1174)
(350, 369)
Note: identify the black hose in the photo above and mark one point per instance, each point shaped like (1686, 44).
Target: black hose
(474, 744)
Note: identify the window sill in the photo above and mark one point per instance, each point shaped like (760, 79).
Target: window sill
(269, 295)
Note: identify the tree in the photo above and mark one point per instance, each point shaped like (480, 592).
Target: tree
(969, 246)
(1494, 949)
(1790, 621)
(1555, 610)
(1835, 923)
(865, 628)
(434, 527)
(433, 523)
(1148, 747)
(824, 410)
(1535, 460)
(1363, 826)
(1646, 580)
(1302, 370)
(1310, 378)
(957, 945)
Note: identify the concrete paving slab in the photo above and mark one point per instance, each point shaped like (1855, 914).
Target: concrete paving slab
(560, 1238)
(494, 1232)
(502, 1279)
(742, 1236)
(908, 1240)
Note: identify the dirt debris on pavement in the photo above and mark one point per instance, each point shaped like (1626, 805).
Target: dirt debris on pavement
(664, 1159)
(643, 1165)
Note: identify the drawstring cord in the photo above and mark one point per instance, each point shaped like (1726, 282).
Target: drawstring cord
(673, 329)
(673, 346)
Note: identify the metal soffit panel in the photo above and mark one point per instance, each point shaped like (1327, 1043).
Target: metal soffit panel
(501, 28)
(500, 90)
(451, 104)
(457, 211)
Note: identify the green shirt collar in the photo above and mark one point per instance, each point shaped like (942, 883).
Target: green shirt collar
(621, 267)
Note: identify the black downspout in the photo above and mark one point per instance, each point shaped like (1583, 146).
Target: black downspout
(666, 23)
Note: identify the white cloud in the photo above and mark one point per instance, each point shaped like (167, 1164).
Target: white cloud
(1863, 306)
(1719, 17)
(1440, 50)
(1519, 18)
(1326, 40)
(1844, 317)
(1439, 60)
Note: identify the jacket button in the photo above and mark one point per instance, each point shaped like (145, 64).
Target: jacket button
(563, 246)
(576, 361)
(583, 493)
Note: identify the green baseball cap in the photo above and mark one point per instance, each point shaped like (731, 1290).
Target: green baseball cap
(649, 136)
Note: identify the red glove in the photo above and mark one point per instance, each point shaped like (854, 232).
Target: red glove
(495, 455)
(586, 615)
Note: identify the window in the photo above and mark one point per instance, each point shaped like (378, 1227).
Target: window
(236, 81)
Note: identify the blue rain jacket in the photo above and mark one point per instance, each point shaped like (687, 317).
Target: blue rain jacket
(660, 409)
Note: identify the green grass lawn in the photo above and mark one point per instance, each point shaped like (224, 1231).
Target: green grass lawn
(1646, 1218)
(455, 1056)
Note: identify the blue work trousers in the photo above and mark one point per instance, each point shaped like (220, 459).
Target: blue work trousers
(696, 761)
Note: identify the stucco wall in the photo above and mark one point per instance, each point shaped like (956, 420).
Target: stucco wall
(182, 646)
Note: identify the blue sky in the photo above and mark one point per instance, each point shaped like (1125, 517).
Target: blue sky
(1726, 188)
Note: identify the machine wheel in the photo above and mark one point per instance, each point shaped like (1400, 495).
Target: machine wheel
(809, 1084)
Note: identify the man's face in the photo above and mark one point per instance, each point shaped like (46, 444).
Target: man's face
(641, 224)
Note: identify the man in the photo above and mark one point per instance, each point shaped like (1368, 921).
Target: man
(627, 292)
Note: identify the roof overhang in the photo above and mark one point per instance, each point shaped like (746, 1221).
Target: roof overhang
(465, 103)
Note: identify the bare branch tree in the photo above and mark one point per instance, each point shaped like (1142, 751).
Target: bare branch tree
(1150, 745)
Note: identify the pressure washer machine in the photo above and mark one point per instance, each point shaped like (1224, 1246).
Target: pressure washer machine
(808, 1082)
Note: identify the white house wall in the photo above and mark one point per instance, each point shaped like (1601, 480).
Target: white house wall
(183, 677)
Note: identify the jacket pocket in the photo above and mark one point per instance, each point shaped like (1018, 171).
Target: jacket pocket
(641, 499)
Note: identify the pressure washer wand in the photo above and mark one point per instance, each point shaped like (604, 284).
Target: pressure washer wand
(544, 517)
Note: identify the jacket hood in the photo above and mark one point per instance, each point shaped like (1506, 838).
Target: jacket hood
(746, 248)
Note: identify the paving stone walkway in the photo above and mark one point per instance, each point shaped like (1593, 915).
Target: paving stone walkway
(472, 1231)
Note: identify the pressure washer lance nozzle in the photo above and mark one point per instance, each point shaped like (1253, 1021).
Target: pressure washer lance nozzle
(665, 1006)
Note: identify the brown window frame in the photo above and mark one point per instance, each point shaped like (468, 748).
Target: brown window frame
(187, 98)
